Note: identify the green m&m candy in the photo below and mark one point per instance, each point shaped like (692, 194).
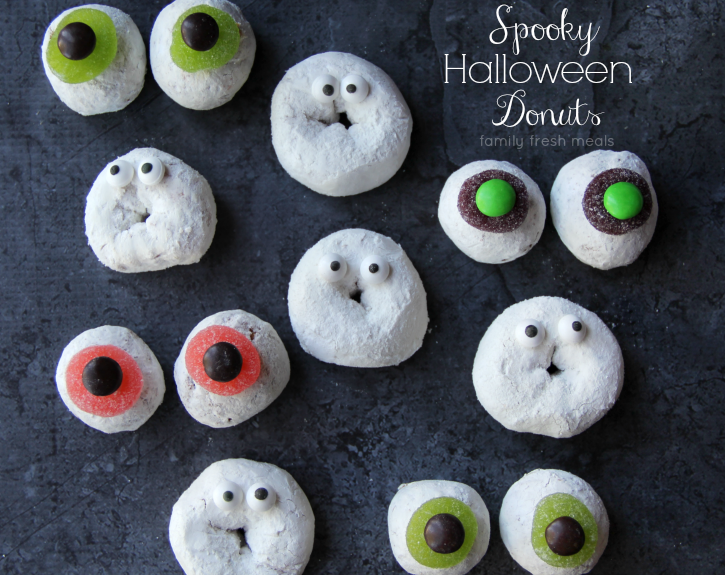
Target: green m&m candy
(495, 198)
(623, 200)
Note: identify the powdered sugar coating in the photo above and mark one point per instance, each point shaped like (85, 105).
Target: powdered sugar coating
(385, 328)
(319, 152)
(513, 384)
(225, 411)
(153, 378)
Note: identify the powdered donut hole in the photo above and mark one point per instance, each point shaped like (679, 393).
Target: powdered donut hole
(591, 233)
(491, 240)
(312, 143)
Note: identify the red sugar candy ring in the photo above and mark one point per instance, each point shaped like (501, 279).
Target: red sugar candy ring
(207, 337)
(123, 399)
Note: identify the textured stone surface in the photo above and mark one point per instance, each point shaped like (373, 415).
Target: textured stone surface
(78, 501)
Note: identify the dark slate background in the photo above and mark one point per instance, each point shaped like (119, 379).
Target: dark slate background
(77, 501)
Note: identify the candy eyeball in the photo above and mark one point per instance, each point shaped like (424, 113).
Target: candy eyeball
(325, 88)
(354, 88)
(151, 171)
(572, 329)
(228, 495)
(261, 497)
(530, 333)
(374, 269)
(332, 267)
(119, 173)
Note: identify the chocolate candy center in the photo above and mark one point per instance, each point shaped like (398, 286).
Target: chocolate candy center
(444, 533)
(222, 362)
(77, 41)
(102, 376)
(261, 493)
(200, 31)
(565, 536)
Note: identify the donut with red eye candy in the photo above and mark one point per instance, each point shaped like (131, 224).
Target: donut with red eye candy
(232, 366)
(109, 379)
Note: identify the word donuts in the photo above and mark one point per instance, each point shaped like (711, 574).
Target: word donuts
(95, 59)
(149, 211)
(201, 52)
(109, 379)
(492, 211)
(232, 366)
(355, 299)
(604, 208)
(241, 517)
(548, 366)
(340, 126)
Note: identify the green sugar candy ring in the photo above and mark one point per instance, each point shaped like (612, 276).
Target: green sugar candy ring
(224, 49)
(103, 54)
(623, 200)
(553, 507)
(495, 198)
(415, 533)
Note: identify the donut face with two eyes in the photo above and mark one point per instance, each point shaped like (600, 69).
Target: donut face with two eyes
(548, 366)
(232, 366)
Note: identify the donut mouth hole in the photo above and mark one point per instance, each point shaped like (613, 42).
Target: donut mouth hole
(239, 534)
(145, 216)
(553, 369)
(343, 119)
(356, 295)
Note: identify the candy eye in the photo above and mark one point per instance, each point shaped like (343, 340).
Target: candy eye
(332, 267)
(204, 38)
(119, 173)
(354, 88)
(325, 88)
(152, 171)
(222, 360)
(495, 198)
(374, 269)
(261, 497)
(530, 333)
(572, 329)
(623, 200)
(227, 496)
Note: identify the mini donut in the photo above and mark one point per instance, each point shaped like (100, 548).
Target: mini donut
(241, 517)
(343, 312)
(149, 211)
(554, 523)
(548, 366)
(95, 59)
(201, 52)
(438, 527)
(340, 126)
(604, 208)
(232, 366)
(109, 379)
(492, 211)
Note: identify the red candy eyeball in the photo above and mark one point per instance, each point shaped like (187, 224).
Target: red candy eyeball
(105, 405)
(221, 368)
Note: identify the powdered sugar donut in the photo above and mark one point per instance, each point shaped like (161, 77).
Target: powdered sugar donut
(311, 107)
(355, 299)
(492, 211)
(548, 366)
(240, 517)
(438, 527)
(100, 63)
(109, 379)
(605, 208)
(554, 523)
(201, 52)
(149, 211)
(232, 366)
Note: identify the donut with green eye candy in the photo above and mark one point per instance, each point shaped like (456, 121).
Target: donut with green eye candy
(554, 523)
(438, 527)
(94, 58)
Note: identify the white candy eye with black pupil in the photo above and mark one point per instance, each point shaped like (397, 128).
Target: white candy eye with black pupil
(354, 88)
(119, 173)
(227, 495)
(151, 171)
(374, 269)
(572, 329)
(325, 88)
(332, 267)
(261, 497)
(530, 333)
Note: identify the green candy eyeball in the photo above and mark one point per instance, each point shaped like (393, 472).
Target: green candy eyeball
(495, 198)
(213, 46)
(623, 200)
(85, 57)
